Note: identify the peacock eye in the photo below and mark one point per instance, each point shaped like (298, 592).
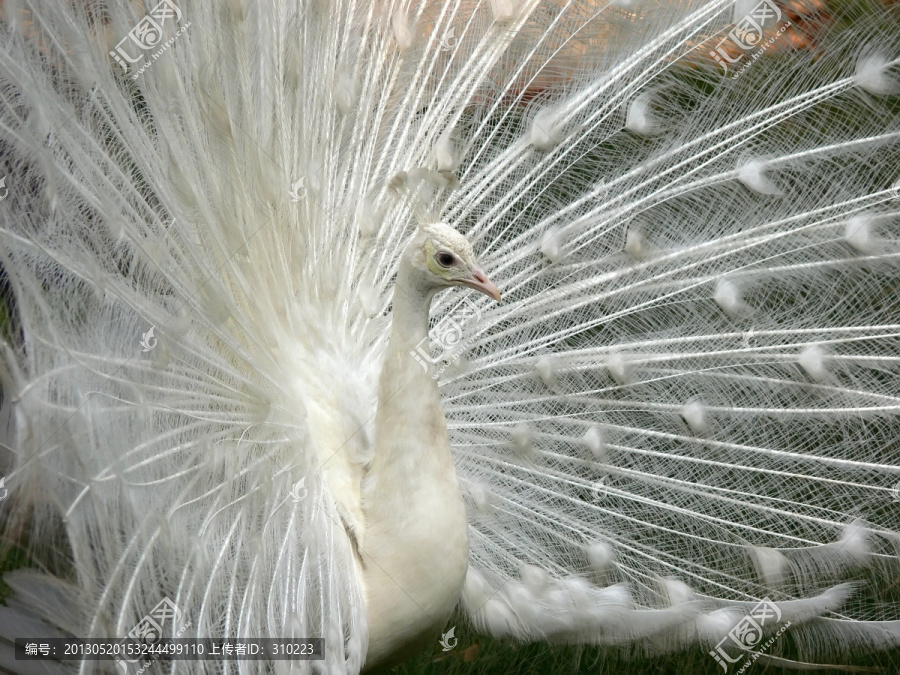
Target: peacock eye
(445, 259)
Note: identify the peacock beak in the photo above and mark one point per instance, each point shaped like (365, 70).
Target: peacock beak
(482, 284)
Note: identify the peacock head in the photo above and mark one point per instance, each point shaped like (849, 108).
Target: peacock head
(442, 257)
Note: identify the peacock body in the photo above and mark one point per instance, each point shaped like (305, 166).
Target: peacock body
(223, 233)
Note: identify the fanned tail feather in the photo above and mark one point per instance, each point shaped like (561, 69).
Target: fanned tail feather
(686, 405)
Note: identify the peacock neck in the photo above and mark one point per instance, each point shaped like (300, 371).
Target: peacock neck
(411, 305)
(407, 372)
(415, 546)
(407, 390)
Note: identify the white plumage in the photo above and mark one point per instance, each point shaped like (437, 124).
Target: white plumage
(225, 390)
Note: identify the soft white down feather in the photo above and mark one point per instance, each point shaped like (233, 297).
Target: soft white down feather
(223, 386)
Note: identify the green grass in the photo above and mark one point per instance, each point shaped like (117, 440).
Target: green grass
(476, 653)
(14, 559)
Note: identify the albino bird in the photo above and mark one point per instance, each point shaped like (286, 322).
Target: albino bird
(223, 227)
(410, 530)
